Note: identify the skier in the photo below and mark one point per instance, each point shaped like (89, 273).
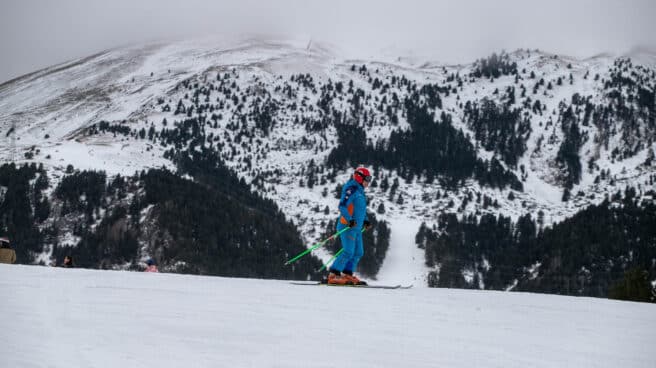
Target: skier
(7, 254)
(68, 262)
(151, 266)
(353, 210)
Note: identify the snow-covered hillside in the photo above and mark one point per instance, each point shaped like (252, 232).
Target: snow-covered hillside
(57, 317)
(236, 86)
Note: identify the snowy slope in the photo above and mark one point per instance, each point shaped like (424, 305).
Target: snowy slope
(404, 262)
(51, 107)
(81, 318)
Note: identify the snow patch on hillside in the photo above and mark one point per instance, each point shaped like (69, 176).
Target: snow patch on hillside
(404, 262)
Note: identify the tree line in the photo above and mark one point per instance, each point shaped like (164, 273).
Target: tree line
(602, 251)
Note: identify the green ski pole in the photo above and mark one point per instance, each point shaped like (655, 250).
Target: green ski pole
(319, 244)
(335, 256)
(330, 260)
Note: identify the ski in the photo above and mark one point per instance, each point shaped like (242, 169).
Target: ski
(317, 283)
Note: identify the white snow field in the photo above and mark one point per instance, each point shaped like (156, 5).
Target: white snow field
(54, 317)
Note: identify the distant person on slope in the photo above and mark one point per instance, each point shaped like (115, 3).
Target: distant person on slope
(68, 262)
(151, 266)
(353, 210)
(7, 254)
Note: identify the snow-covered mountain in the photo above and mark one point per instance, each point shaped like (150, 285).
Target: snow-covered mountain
(273, 110)
(58, 317)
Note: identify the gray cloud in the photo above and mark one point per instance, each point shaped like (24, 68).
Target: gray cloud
(39, 33)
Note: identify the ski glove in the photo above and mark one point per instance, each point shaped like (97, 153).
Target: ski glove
(352, 223)
(366, 224)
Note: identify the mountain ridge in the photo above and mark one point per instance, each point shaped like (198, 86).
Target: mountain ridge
(273, 113)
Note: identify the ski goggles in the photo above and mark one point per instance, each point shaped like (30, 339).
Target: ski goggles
(367, 178)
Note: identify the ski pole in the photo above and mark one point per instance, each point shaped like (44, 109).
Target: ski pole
(335, 256)
(330, 260)
(319, 244)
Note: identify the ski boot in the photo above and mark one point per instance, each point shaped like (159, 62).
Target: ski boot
(337, 278)
(352, 279)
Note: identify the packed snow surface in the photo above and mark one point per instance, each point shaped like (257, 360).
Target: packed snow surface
(55, 317)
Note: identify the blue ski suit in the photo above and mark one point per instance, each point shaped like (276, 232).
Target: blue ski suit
(352, 205)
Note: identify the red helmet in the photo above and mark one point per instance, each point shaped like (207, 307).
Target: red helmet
(362, 174)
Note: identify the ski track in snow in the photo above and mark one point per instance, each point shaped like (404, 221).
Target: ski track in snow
(404, 261)
(57, 317)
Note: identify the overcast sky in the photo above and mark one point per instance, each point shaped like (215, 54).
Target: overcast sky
(39, 33)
